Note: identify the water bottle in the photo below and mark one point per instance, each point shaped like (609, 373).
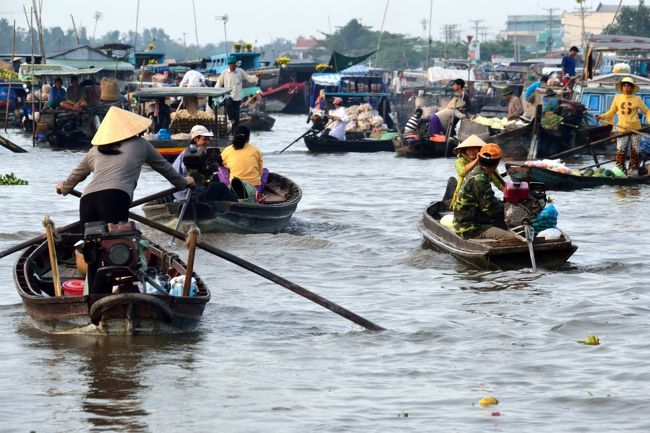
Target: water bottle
(265, 176)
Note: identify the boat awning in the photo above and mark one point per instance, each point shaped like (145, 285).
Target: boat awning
(65, 72)
(325, 79)
(618, 43)
(166, 92)
(108, 65)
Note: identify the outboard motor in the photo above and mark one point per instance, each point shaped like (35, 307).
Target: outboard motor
(112, 254)
(524, 201)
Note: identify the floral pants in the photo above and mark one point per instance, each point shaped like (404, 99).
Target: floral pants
(622, 143)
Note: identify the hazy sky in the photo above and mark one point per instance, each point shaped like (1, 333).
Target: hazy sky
(265, 20)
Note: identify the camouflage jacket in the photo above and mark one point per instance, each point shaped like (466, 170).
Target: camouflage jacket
(476, 208)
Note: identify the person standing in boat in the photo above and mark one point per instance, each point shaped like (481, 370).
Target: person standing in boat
(198, 149)
(515, 107)
(233, 79)
(116, 160)
(338, 120)
(626, 107)
(478, 213)
(192, 78)
(467, 153)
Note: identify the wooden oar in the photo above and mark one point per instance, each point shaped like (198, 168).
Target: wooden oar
(632, 131)
(41, 238)
(264, 273)
(189, 270)
(592, 144)
(311, 130)
(11, 146)
(51, 247)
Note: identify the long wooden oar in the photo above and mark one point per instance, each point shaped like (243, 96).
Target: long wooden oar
(4, 142)
(632, 131)
(41, 238)
(51, 248)
(264, 273)
(592, 144)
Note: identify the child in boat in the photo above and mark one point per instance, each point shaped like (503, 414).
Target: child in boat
(626, 106)
(467, 153)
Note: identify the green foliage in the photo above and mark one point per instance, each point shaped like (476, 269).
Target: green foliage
(11, 179)
(633, 21)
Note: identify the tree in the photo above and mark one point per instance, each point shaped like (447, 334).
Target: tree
(633, 21)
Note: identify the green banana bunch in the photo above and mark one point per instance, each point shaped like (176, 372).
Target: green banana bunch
(11, 179)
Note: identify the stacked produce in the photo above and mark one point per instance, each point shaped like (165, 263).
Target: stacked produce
(363, 118)
(558, 166)
(183, 121)
(494, 122)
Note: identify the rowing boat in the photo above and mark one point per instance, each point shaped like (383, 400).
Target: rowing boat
(136, 303)
(488, 253)
(318, 144)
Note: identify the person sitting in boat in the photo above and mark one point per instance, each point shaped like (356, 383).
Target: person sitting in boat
(116, 160)
(192, 78)
(74, 97)
(204, 164)
(478, 213)
(243, 159)
(413, 124)
(57, 94)
(254, 104)
(529, 95)
(338, 120)
(626, 107)
(442, 120)
(162, 115)
(515, 107)
(551, 101)
(467, 158)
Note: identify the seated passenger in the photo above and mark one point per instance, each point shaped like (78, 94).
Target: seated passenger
(413, 124)
(74, 97)
(338, 120)
(207, 189)
(57, 94)
(478, 213)
(243, 159)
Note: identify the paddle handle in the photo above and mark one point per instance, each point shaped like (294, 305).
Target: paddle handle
(54, 264)
(264, 273)
(189, 270)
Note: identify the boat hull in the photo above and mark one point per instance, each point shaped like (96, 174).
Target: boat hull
(104, 314)
(489, 254)
(257, 122)
(565, 182)
(272, 216)
(331, 145)
(422, 148)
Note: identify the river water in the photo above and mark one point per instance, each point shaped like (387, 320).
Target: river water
(265, 359)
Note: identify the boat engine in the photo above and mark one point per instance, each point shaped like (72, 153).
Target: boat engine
(523, 202)
(112, 254)
(202, 164)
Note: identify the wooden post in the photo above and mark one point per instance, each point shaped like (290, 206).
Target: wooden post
(54, 264)
(191, 246)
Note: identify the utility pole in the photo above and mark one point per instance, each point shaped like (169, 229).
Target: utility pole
(549, 39)
(184, 47)
(514, 34)
(484, 33)
(476, 27)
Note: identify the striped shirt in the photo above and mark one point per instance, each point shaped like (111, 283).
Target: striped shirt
(412, 125)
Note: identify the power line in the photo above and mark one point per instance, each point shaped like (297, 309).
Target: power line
(476, 27)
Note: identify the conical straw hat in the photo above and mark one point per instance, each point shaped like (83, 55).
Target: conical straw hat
(471, 141)
(118, 125)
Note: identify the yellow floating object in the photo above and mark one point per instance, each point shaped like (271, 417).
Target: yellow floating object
(488, 401)
(592, 340)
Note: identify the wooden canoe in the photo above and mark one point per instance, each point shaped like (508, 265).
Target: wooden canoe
(257, 122)
(565, 182)
(271, 216)
(423, 148)
(109, 314)
(318, 144)
(491, 254)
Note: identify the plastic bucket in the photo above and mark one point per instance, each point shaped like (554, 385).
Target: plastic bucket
(73, 287)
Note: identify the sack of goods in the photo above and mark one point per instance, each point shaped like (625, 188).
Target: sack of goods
(109, 90)
(546, 219)
(363, 118)
(621, 68)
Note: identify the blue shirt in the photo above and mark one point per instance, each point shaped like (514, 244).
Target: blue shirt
(56, 96)
(569, 65)
(531, 89)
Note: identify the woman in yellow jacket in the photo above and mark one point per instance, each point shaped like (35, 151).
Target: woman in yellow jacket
(243, 159)
(626, 106)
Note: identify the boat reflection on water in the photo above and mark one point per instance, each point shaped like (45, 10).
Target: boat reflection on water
(107, 376)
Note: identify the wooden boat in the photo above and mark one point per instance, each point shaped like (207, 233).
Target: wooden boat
(257, 121)
(564, 181)
(422, 148)
(271, 216)
(122, 312)
(286, 98)
(319, 144)
(514, 142)
(491, 254)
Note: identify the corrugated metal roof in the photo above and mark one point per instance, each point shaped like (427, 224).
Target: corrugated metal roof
(108, 65)
(618, 43)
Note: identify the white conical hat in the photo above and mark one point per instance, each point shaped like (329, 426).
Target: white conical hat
(118, 125)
